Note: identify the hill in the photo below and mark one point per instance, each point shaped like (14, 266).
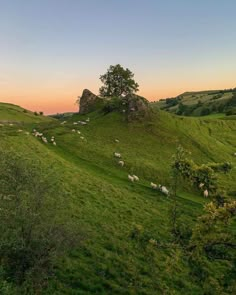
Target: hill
(202, 103)
(10, 113)
(119, 219)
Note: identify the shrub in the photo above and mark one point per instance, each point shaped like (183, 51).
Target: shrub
(31, 234)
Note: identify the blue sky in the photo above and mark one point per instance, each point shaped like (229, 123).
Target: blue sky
(50, 50)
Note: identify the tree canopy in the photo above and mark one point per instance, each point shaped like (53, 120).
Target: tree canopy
(118, 82)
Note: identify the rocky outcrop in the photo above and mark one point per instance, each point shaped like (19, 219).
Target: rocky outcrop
(133, 106)
(89, 102)
(137, 107)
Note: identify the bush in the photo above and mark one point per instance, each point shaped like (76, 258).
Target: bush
(205, 111)
(112, 105)
(31, 234)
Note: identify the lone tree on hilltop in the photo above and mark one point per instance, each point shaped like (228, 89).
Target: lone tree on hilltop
(118, 82)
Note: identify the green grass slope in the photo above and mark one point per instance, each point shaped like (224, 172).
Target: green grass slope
(108, 207)
(15, 114)
(202, 103)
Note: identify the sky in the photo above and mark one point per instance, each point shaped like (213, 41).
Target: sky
(50, 50)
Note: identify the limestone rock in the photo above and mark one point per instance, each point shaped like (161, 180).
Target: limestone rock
(88, 102)
(137, 106)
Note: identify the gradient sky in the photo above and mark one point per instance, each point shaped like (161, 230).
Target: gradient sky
(50, 50)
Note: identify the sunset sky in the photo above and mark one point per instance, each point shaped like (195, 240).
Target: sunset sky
(50, 50)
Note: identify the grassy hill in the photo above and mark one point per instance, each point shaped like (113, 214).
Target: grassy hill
(108, 208)
(10, 113)
(201, 103)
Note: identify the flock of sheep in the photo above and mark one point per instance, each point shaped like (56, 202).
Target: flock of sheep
(134, 177)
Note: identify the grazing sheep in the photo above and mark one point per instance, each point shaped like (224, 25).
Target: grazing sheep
(19, 130)
(64, 122)
(81, 137)
(27, 133)
(78, 132)
(235, 154)
(117, 155)
(54, 143)
(82, 123)
(87, 120)
(10, 124)
(75, 123)
(164, 190)
(52, 139)
(73, 130)
(131, 178)
(117, 140)
(121, 163)
(205, 193)
(153, 185)
(44, 139)
(201, 185)
(136, 178)
(123, 111)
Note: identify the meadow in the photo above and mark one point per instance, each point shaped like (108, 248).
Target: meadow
(118, 219)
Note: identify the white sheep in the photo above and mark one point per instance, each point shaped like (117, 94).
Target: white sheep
(81, 137)
(131, 178)
(121, 163)
(153, 185)
(205, 193)
(20, 130)
(123, 111)
(10, 124)
(75, 123)
(201, 185)
(64, 122)
(117, 155)
(78, 132)
(54, 143)
(44, 139)
(164, 190)
(136, 178)
(27, 133)
(87, 120)
(73, 130)
(117, 140)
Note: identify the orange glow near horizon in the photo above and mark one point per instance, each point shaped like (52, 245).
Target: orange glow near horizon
(52, 100)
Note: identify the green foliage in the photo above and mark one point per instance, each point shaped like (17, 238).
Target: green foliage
(205, 111)
(118, 82)
(31, 234)
(114, 104)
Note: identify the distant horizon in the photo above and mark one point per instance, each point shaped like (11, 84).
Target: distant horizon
(75, 106)
(51, 50)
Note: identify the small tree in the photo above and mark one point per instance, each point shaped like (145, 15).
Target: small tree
(32, 235)
(118, 82)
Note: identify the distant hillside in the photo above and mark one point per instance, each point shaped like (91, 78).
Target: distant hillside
(201, 103)
(13, 113)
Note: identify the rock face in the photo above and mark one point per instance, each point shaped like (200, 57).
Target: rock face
(88, 102)
(137, 107)
(134, 107)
